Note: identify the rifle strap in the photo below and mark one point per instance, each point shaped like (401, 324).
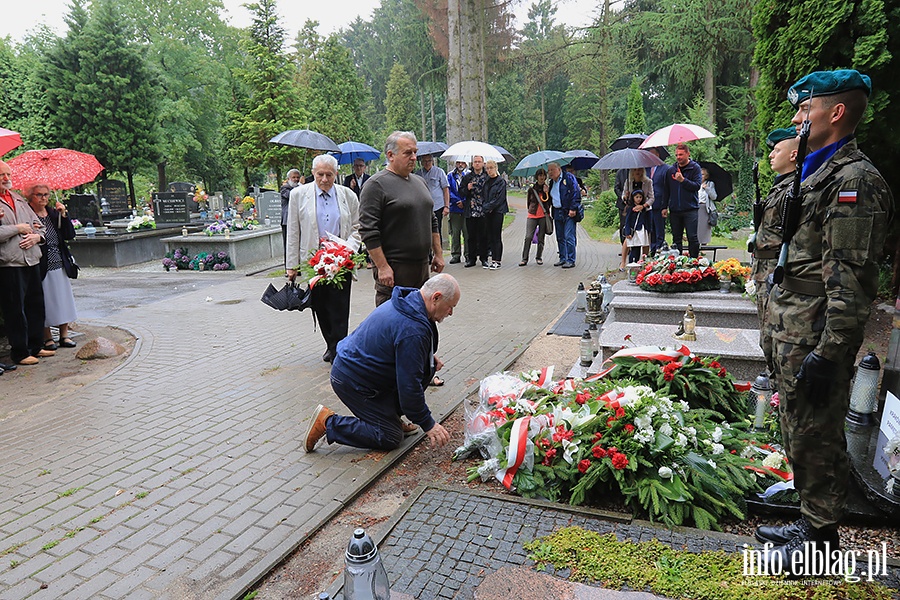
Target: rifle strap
(806, 287)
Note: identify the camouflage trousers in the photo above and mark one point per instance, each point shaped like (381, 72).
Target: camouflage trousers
(813, 433)
(765, 334)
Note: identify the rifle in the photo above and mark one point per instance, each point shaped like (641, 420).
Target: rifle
(757, 206)
(790, 212)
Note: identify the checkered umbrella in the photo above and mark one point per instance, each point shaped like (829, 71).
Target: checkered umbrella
(59, 168)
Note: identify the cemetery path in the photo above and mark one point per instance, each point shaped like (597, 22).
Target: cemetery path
(181, 473)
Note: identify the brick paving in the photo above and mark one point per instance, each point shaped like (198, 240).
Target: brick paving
(445, 542)
(181, 474)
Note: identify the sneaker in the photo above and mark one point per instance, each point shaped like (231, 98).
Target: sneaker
(485, 265)
(316, 429)
(568, 265)
(494, 266)
(408, 428)
(559, 263)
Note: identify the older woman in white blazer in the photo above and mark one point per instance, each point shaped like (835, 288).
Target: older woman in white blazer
(316, 209)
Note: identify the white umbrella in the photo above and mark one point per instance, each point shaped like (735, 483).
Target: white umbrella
(466, 150)
(675, 134)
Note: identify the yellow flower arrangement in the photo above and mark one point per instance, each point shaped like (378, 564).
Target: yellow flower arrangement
(247, 203)
(732, 268)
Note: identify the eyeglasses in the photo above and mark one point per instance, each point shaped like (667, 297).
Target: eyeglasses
(47, 195)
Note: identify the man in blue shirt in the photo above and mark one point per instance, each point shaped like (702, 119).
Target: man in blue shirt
(680, 201)
(383, 367)
(565, 197)
(437, 183)
(457, 218)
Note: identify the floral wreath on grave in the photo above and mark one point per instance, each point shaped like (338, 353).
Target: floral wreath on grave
(670, 274)
(332, 262)
(578, 441)
(142, 222)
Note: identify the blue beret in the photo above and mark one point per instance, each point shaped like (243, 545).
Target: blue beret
(779, 135)
(827, 83)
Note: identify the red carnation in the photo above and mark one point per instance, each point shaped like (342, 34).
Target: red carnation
(629, 428)
(722, 372)
(598, 452)
(620, 412)
(619, 461)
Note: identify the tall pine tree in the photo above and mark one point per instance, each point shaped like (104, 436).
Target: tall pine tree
(635, 121)
(400, 103)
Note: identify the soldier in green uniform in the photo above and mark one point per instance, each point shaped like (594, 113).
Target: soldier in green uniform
(767, 239)
(818, 313)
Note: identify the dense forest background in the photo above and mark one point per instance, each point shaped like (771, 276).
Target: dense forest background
(151, 86)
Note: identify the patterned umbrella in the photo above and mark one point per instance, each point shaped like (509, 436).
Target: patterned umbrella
(59, 168)
(675, 134)
(9, 140)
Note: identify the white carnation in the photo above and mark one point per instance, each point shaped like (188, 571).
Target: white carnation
(665, 472)
(665, 429)
(773, 461)
(717, 434)
(718, 449)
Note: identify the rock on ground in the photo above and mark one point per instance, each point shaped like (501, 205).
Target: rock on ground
(100, 347)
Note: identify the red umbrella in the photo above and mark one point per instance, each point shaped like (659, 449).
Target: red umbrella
(59, 168)
(675, 134)
(9, 140)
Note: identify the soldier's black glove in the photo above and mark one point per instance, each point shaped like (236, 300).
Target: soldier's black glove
(817, 373)
(751, 243)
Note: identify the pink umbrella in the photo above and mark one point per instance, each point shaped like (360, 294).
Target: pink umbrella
(675, 134)
(9, 140)
(59, 168)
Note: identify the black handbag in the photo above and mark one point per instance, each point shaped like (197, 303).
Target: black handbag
(290, 297)
(69, 265)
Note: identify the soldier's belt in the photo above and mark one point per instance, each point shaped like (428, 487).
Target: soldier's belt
(765, 254)
(803, 286)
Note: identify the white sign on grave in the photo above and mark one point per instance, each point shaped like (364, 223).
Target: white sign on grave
(890, 427)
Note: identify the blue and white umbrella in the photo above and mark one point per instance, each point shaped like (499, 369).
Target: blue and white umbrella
(539, 160)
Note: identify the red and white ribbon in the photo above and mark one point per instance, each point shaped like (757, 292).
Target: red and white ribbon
(515, 453)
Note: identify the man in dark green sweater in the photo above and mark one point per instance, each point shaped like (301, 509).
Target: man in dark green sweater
(397, 222)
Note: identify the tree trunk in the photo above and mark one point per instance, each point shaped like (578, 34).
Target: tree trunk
(466, 95)
(709, 88)
(750, 143)
(433, 124)
(453, 105)
(422, 111)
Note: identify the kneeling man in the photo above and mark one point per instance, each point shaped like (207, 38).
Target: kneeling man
(383, 368)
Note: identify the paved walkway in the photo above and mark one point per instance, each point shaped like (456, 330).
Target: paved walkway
(181, 474)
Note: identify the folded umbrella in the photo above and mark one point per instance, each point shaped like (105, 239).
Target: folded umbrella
(290, 297)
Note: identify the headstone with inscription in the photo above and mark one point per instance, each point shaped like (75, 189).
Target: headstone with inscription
(171, 207)
(269, 205)
(85, 208)
(189, 189)
(115, 194)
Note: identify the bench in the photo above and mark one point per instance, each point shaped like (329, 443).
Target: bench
(713, 249)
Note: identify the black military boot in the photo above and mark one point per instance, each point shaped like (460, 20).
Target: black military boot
(782, 534)
(808, 554)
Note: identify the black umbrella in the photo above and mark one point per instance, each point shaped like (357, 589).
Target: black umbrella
(433, 148)
(582, 159)
(305, 138)
(721, 178)
(627, 158)
(506, 155)
(290, 297)
(629, 140)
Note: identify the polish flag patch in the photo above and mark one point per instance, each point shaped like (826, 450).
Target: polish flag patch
(847, 197)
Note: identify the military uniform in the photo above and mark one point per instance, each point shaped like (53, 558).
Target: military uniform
(765, 257)
(822, 306)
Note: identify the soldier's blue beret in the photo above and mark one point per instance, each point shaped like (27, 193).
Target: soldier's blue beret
(779, 135)
(827, 83)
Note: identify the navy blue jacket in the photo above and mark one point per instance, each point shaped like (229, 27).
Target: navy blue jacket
(681, 197)
(392, 350)
(569, 194)
(659, 184)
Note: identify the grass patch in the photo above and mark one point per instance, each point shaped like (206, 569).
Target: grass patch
(279, 273)
(68, 492)
(49, 545)
(141, 495)
(676, 574)
(13, 564)
(96, 520)
(44, 472)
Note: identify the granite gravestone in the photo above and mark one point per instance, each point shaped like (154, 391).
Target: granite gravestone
(116, 203)
(85, 208)
(186, 188)
(171, 207)
(269, 205)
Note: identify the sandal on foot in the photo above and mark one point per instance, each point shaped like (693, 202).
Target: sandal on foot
(67, 343)
(539, 261)
(50, 345)
(523, 263)
(436, 381)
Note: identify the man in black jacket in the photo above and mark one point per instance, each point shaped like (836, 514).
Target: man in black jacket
(680, 201)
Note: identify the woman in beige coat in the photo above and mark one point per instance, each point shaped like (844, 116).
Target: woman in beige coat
(316, 210)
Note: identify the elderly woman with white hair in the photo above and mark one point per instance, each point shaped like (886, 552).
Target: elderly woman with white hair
(315, 210)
